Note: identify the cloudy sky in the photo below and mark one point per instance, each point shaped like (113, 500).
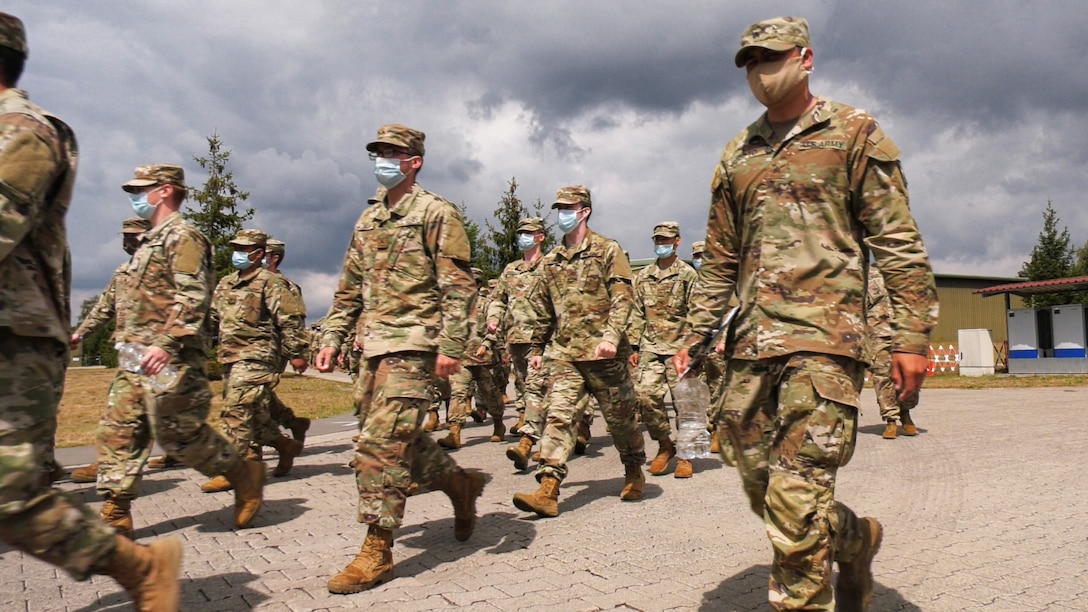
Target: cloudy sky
(989, 103)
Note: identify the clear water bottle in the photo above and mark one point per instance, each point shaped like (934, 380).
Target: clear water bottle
(131, 354)
(691, 398)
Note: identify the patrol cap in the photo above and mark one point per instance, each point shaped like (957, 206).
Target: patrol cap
(156, 174)
(776, 34)
(478, 274)
(697, 248)
(12, 33)
(667, 229)
(275, 247)
(399, 136)
(491, 284)
(575, 194)
(531, 224)
(135, 225)
(250, 237)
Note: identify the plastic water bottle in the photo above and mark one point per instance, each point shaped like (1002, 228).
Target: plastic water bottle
(131, 354)
(691, 398)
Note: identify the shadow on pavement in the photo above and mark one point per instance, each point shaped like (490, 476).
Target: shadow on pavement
(592, 490)
(223, 592)
(495, 533)
(747, 590)
(221, 520)
(878, 430)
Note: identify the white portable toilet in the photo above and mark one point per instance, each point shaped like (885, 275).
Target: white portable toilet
(1068, 326)
(1023, 337)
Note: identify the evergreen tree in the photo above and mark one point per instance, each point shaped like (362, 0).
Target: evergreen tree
(475, 239)
(96, 348)
(218, 215)
(1051, 258)
(502, 240)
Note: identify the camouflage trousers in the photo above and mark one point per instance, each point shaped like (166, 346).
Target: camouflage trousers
(655, 376)
(281, 413)
(246, 418)
(609, 381)
(35, 517)
(791, 424)
(175, 417)
(519, 363)
(487, 392)
(534, 384)
(881, 372)
(713, 373)
(392, 394)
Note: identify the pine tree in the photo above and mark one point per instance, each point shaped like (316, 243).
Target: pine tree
(475, 238)
(1051, 258)
(502, 240)
(218, 215)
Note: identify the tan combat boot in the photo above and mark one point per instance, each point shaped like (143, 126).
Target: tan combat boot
(535, 458)
(453, 439)
(544, 501)
(683, 469)
(519, 454)
(288, 448)
(86, 474)
(299, 428)
(633, 481)
(516, 429)
(478, 415)
(117, 513)
(164, 461)
(248, 478)
(148, 573)
(217, 485)
(854, 588)
(908, 424)
(890, 430)
(582, 437)
(715, 443)
(371, 567)
(666, 450)
(432, 421)
(498, 432)
(463, 487)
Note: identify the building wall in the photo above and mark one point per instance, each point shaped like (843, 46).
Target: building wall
(962, 308)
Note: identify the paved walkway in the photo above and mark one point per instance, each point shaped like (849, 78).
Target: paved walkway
(985, 510)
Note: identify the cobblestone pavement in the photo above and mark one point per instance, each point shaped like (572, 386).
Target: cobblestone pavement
(982, 511)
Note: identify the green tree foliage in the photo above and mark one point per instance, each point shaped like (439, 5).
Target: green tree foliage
(1051, 258)
(218, 215)
(97, 348)
(502, 238)
(475, 238)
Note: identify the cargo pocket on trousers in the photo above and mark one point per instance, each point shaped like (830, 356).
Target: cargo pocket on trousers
(842, 411)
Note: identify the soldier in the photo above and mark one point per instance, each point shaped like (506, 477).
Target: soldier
(281, 414)
(259, 320)
(656, 330)
(37, 171)
(103, 311)
(477, 365)
(879, 317)
(697, 249)
(512, 301)
(586, 294)
(408, 262)
(799, 201)
(713, 365)
(162, 309)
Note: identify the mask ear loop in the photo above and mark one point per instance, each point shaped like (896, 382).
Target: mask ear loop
(810, 70)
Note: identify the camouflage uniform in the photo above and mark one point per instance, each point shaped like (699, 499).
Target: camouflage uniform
(480, 369)
(657, 328)
(586, 295)
(408, 262)
(163, 300)
(105, 308)
(281, 414)
(795, 253)
(259, 320)
(879, 317)
(38, 158)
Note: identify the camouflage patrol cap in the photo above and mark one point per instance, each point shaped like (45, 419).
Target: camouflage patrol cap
(667, 229)
(776, 34)
(698, 247)
(135, 225)
(491, 284)
(575, 194)
(156, 174)
(250, 237)
(275, 246)
(478, 274)
(12, 33)
(531, 224)
(399, 136)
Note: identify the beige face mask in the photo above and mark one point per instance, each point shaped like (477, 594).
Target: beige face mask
(772, 82)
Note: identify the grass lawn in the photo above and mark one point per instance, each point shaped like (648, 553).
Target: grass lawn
(86, 389)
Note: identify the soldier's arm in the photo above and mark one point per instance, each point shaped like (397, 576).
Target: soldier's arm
(496, 310)
(620, 294)
(540, 302)
(347, 302)
(190, 269)
(717, 280)
(28, 167)
(288, 319)
(447, 239)
(637, 323)
(104, 310)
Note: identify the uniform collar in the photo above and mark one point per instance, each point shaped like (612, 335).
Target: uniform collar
(761, 129)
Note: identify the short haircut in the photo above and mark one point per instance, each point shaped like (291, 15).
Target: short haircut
(11, 66)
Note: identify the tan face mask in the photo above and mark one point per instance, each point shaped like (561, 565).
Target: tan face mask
(772, 82)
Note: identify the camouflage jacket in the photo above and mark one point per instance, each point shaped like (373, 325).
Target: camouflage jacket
(479, 336)
(104, 309)
(296, 291)
(585, 293)
(259, 319)
(790, 231)
(408, 263)
(512, 307)
(164, 295)
(38, 159)
(659, 317)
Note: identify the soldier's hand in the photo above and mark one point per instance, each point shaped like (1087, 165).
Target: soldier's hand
(444, 366)
(908, 374)
(74, 341)
(536, 362)
(480, 352)
(605, 350)
(154, 359)
(492, 326)
(633, 360)
(324, 361)
(681, 361)
(720, 349)
(356, 346)
(299, 364)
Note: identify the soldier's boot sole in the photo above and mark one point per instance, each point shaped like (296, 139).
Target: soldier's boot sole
(544, 502)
